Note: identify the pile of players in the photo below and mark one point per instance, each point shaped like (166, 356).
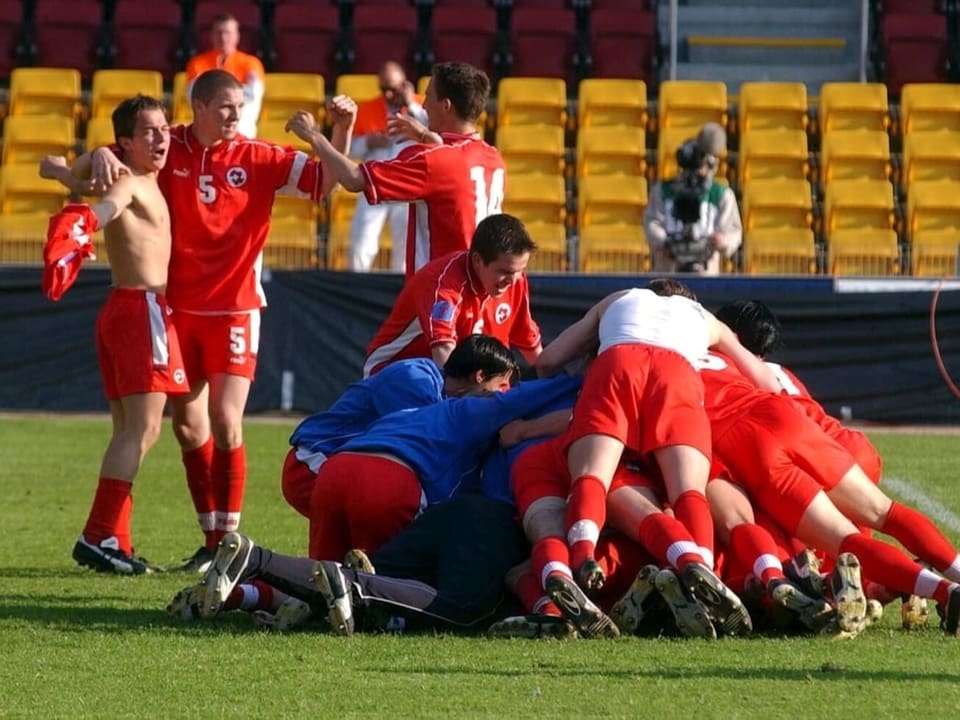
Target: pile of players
(679, 485)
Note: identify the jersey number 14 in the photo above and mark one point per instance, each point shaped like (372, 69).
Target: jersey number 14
(489, 199)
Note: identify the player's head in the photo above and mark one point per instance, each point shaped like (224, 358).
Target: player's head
(225, 33)
(140, 127)
(499, 252)
(217, 99)
(458, 92)
(755, 325)
(479, 362)
(668, 286)
(393, 80)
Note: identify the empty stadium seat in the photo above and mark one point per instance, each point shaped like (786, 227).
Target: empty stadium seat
(552, 254)
(465, 36)
(70, 34)
(28, 138)
(860, 251)
(772, 105)
(275, 131)
(858, 204)
(531, 148)
(933, 205)
(45, 91)
(768, 154)
(930, 156)
(777, 203)
(537, 198)
(689, 104)
(285, 93)
(623, 43)
(342, 206)
(611, 101)
(933, 253)
(779, 251)
(307, 38)
(359, 86)
(615, 150)
(929, 106)
(110, 87)
(542, 42)
(99, 133)
(26, 203)
(915, 49)
(531, 101)
(853, 154)
(149, 36)
(853, 106)
(381, 33)
(610, 224)
(181, 113)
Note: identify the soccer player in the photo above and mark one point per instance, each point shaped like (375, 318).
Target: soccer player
(481, 290)
(220, 187)
(450, 186)
(137, 345)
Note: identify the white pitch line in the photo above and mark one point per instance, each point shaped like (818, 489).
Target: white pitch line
(911, 493)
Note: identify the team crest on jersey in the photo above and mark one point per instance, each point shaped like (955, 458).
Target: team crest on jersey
(236, 176)
(502, 313)
(179, 377)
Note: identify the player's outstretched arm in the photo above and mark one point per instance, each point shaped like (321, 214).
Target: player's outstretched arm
(337, 167)
(55, 167)
(574, 342)
(117, 199)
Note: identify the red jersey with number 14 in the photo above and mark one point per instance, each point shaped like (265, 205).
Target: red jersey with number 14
(220, 201)
(450, 188)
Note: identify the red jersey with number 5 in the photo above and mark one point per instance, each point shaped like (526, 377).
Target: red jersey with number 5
(220, 201)
(450, 188)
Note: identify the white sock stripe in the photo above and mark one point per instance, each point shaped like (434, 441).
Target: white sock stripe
(926, 583)
(208, 521)
(683, 547)
(583, 530)
(707, 555)
(765, 562)
(552, 567)
(227, 521)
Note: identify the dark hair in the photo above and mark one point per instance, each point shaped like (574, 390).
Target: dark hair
(126, 113)
(480, 352)
(222, 18)
(211, 82)
(669, 286)
(501, 234)
(755, 325)
(465, 86)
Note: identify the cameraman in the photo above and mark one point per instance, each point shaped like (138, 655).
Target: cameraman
(691, 219)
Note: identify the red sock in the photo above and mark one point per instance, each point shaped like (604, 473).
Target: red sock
(888, 565)
(692, 510)
(531, 595)
(920, 536)
(197, 463)
(586, 514)
(110, 514)
(228, 474)
(669, 541)
(550, 555)
(755, 548)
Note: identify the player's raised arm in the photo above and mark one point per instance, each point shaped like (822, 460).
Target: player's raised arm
(574, 342)
(55, 167)
(337, 166)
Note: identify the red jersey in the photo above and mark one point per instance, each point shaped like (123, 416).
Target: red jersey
(220, 201)
(450, 188)
(444, 302)
(727, 393)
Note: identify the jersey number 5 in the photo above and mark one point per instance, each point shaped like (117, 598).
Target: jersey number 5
(208, 193)
(489, 199)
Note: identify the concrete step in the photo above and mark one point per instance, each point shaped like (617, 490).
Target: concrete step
(733, 75)
(764, 21)
(704, 50)
(753, 4)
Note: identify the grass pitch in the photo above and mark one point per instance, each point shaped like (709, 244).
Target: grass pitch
(77, 644)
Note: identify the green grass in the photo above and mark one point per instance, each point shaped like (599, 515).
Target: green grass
(77, 644)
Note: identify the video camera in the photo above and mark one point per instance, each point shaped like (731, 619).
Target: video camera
(690, 250)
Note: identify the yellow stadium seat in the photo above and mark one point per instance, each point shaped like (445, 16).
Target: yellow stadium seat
(536, 197)
(853, 106)
(779, 251)
(611, 101)
(26, 203)
(858, 204)
(691, 103)
(292, 242)
(930, 156)
(551, 254)
(925, 107)
(614, 249)
(532, 101)
(777, 203)
(45, 91)
(422, 83)
(616, 150)
(285, 93)
(27, 138)
(99, 133)
(360, 87)
(182, 112)
(342, 206)
(274, 131)
(933, 205)
(854, 154)
(863, 251)
(110, 87)
(768, 154)
(772, 105)
(531, 148)
(933, 253)
(610, 224)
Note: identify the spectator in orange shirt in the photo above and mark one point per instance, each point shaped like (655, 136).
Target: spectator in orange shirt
(246, 68)
(372, 141)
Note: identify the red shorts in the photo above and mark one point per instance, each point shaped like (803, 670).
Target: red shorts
(541, 471)
(781, 458)
(360, 501)
(215, 344)
(137, 345)
(646, 397)
(296, 483)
